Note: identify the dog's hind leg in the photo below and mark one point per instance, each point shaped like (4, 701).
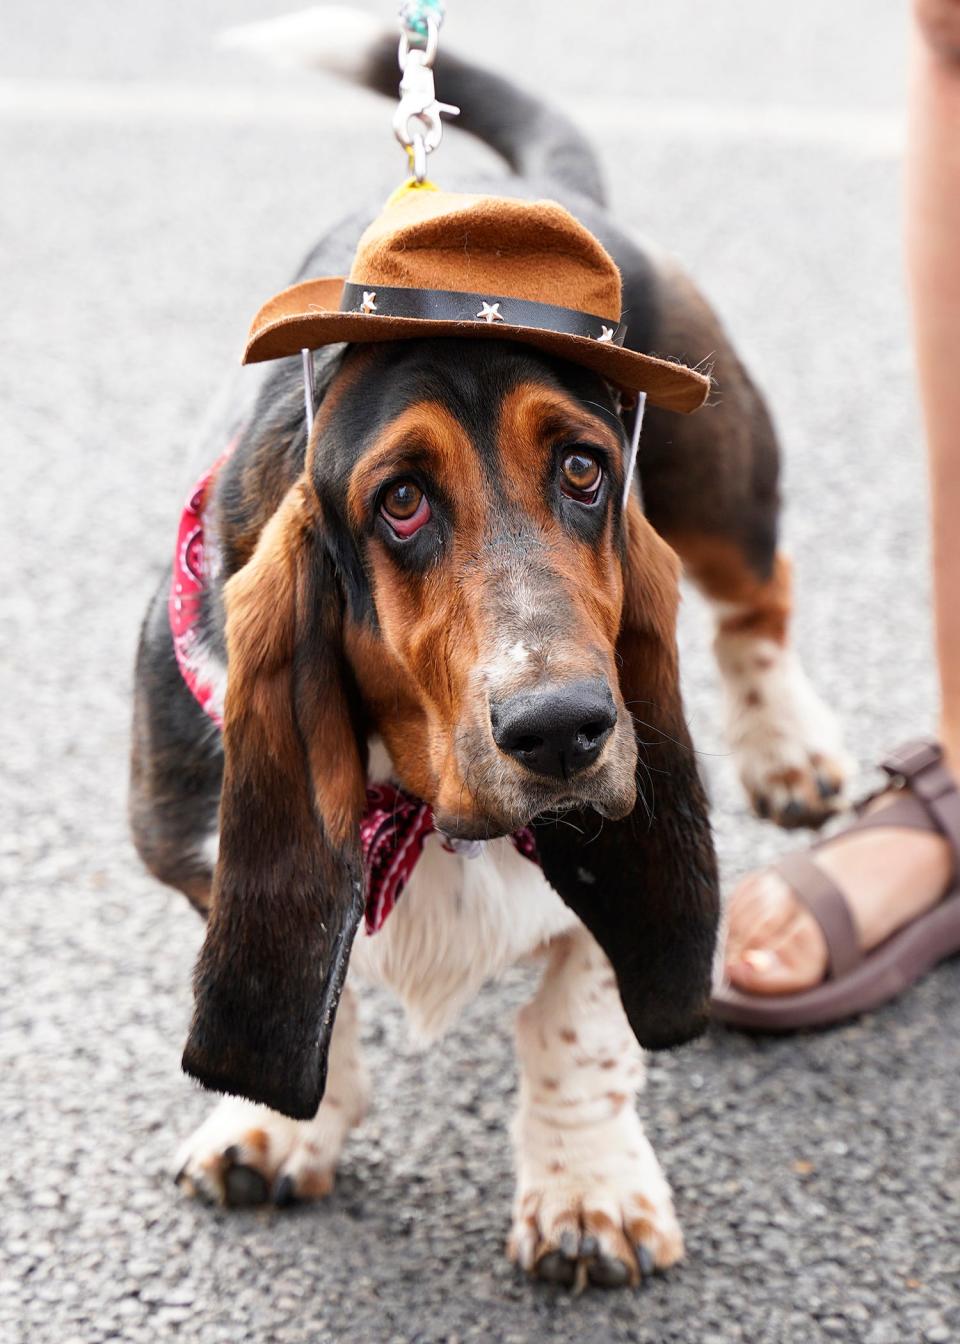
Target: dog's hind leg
(785, 740)
(711, 488)
(246, 1154)
(176, 768)
(591, 1200)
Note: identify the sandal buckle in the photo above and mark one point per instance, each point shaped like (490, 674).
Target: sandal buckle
(912, 759)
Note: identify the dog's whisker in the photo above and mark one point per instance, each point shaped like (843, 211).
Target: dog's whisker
(685, 746)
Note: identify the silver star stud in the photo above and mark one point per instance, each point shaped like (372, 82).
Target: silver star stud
(368, 305)
(606, 334)
(490, 312)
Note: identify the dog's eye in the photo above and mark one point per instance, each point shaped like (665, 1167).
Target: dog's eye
(582, 475)
(405, 507)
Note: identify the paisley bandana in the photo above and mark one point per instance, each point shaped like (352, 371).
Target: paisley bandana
(395, 826)
(194, 565)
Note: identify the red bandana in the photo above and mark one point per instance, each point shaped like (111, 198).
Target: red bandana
(395, 825)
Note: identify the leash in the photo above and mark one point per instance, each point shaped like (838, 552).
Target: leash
(416, 122)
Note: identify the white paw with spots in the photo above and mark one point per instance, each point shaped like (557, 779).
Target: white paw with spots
(786, 742)
(592, 1202)
(246, 1154)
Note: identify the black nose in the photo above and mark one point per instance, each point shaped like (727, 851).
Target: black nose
(555, 732)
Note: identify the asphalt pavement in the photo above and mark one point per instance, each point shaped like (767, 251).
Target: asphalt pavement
(154, 192)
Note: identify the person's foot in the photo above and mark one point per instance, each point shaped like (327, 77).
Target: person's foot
(888, 875)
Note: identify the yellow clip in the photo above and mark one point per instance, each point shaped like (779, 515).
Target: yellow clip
(407, 187)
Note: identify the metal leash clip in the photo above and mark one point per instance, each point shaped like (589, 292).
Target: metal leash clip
(418, 99)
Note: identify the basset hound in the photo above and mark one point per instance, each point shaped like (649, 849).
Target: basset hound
(444, 658)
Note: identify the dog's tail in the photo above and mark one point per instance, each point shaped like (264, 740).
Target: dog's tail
(535, 139)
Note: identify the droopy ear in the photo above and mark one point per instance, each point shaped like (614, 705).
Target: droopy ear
(287, 891)
(646, 887)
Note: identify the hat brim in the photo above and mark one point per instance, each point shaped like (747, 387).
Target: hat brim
(307, 316)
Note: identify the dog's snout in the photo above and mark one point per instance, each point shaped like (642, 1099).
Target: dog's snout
(556, 732)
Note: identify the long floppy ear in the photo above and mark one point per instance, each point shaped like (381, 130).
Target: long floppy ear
(287, 891)
(646, 887)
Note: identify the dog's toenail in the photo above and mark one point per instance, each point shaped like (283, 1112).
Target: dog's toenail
(646, 1261)
(284, 1193)
(606, 1272)
(827, 788)
(568, 1243)
(555, 1267)
(589, 1246)
(244, 1188)
(762, 808)
(231, 1154)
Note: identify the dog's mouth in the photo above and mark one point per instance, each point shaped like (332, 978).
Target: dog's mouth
(463, 831)
(469, 829)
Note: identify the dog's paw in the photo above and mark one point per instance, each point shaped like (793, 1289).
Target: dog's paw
(595, 1229)
(244, 1155)
(785, 741)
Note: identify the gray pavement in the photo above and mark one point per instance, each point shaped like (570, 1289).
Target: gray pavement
(153, 194)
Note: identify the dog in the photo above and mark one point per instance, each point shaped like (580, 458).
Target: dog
(433, 631)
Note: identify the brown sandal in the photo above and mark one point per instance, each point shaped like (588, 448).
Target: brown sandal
(857, 982)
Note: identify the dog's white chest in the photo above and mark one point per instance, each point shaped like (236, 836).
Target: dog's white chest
(459, 922)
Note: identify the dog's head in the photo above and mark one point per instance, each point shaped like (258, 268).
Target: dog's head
(453, 572)
(478, 492)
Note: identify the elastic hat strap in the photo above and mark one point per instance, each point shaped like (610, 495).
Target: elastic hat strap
(309, 382)
(634, 446)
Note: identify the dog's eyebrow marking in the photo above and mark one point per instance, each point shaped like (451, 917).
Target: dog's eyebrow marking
(555, 414)
(534, 423)
(425, 430)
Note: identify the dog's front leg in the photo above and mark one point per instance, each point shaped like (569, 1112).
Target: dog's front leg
(247, 1154)
(591, 1201)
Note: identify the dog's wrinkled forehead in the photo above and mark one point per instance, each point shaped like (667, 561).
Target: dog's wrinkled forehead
(469, 380)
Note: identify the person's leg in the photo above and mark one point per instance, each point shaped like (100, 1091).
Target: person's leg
(891, 876)
(933, 239)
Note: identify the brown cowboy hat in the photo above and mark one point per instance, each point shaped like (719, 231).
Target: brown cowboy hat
(437, 263)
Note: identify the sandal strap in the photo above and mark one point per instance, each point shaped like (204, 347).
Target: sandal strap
(828, 905)
(905, 811)
(929, 801)
(920, 768)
